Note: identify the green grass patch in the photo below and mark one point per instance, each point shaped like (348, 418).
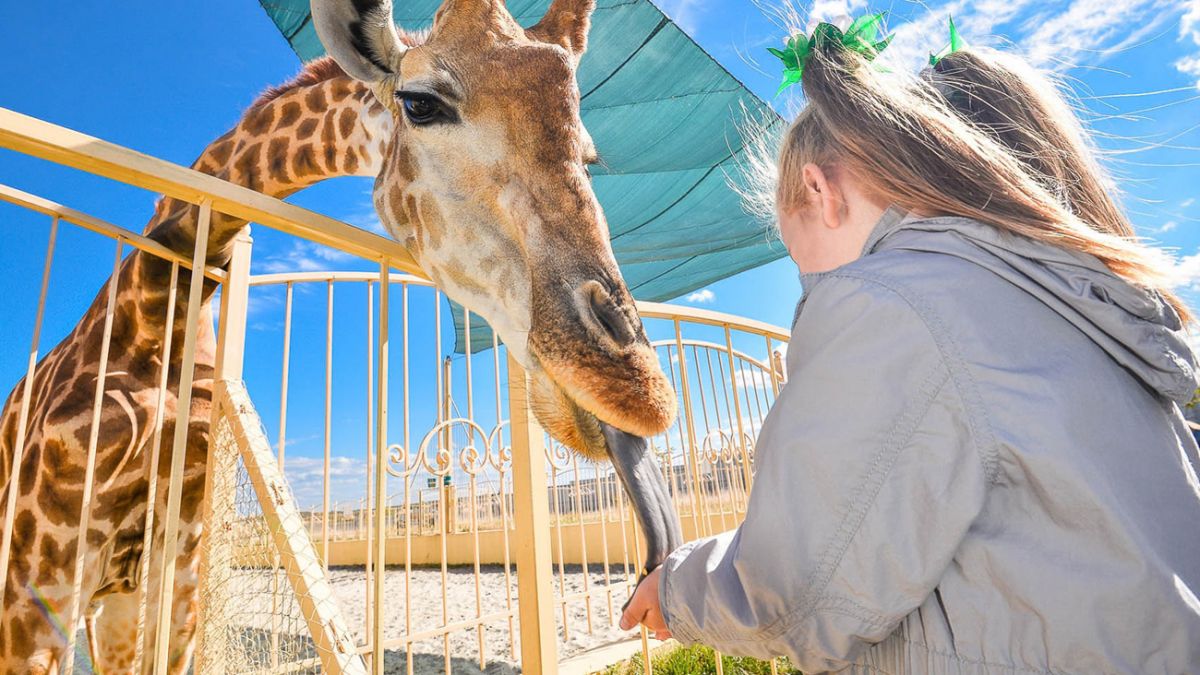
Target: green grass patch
(697, 660)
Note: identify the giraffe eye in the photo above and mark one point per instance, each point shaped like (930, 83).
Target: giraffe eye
(422, 109)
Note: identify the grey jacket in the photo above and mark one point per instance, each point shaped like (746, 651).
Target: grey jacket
(978, 466)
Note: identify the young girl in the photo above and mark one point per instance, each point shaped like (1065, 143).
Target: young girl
(979, 464)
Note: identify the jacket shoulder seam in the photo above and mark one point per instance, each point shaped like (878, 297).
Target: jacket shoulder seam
(965, 384)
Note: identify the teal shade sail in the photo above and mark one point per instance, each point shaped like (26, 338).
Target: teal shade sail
(667, 120)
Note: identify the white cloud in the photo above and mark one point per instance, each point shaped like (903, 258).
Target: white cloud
(302, 256)
(685, 13)
(1189, 28)
(1091, 30)
(702, 296)
(749, 377)
(1186, 203)
(305, 475)
(837, 12)
(1185, 273)
(1168, 226)
(1054, 36)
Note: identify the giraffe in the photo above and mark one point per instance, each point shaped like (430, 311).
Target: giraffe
(485, 183)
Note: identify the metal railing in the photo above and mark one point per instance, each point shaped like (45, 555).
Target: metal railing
(448, 487)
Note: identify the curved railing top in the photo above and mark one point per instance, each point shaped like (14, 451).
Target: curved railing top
(58, 144)
(663, 310)
(648, 310)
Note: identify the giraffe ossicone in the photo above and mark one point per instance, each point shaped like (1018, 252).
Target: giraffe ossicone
(474, 135)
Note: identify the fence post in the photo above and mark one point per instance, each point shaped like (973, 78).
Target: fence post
(235, 299)
(531, 506)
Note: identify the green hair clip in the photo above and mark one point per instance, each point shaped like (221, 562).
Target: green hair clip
(956, 44)
(861, 36)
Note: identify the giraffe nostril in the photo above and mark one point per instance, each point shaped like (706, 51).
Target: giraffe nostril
(608, 314)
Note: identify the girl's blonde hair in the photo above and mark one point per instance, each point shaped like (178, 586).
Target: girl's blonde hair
(967, 147)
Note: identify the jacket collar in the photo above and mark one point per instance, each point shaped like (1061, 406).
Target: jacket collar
(889, 222)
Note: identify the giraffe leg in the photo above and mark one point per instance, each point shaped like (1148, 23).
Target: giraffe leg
(113, 625)
(112, 633)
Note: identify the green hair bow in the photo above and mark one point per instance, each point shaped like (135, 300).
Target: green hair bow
(861, 36)
(956, 44)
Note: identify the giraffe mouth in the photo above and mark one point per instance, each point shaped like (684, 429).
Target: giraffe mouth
(631, 455)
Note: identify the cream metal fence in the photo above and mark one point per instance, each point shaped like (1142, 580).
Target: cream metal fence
(451, 488)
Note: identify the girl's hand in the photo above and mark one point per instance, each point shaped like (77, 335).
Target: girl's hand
(643, 607)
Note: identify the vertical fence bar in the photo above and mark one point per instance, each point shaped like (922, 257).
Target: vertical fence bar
(737, 407)
(10, 506)
(369, 615)
(139, 650)
(179, 443)
(328, 426)
(276, 571)
(381, 453)
(698, 498)
(231, 344)
(535, 581)
(81, 548)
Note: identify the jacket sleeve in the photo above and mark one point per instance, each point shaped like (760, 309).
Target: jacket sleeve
(866, 481)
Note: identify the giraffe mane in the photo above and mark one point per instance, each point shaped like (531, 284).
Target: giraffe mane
(325, 68)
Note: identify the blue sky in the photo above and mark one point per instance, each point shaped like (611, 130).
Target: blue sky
(167, 78)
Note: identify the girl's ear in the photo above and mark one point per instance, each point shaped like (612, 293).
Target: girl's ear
(825, 198)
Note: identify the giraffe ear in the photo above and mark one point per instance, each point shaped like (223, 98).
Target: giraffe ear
(565, 23)
(360, 35)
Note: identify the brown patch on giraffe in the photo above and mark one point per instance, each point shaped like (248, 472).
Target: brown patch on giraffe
(346, 122)
(288, 115)
(246, 167)
(54, 558)
(190, 501)
(350, 166)
(29, 468)
(258, 121)
(96, 538)
(220, 151)
(277, 159)
(24, 531)
(60, 507)
(22, 642)
(115, 503)
(339, 89)
(329, 141)
(314, 99)
(57, 461)
(304, 163)
(306, 128)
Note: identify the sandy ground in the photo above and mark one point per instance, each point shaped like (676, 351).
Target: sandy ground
(463, 645)
(427, 612)
(251, 612)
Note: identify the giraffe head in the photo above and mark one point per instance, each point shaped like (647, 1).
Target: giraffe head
(485, 180)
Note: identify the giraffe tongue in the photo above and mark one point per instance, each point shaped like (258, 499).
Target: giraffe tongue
(644, 484)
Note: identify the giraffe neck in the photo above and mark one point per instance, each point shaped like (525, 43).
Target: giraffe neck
(288, 141)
